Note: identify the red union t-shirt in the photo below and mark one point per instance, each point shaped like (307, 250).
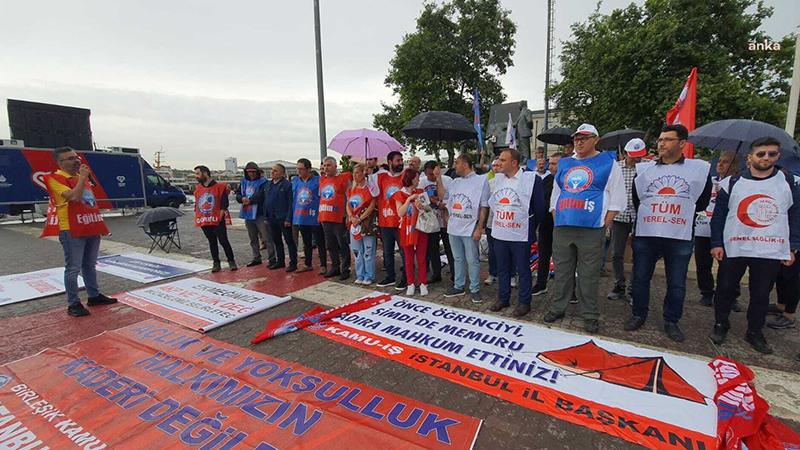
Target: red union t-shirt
(387, 211)
(332, 195)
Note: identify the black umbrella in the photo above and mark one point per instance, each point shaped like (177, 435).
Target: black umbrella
(739, 134)
(618, 138)
(159, 214)
(556, 136)
(439, 126)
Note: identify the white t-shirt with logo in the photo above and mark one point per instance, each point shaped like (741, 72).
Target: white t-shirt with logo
(464, 197)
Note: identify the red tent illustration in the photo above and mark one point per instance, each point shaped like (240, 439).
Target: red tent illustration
(646, 373)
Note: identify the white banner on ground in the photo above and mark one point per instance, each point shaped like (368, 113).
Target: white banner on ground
(199, 304)
(27, 286)
(650, 397)
(146, 268)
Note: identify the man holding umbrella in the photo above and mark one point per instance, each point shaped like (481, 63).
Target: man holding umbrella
(667, 194)
(755, 227)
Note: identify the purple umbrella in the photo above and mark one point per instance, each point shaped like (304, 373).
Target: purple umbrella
(364, 143)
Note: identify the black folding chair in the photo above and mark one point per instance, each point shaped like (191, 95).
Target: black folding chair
(164, 234)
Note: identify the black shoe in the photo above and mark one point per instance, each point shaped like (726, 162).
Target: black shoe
(400, 285)
(521, 310)
(707, 300)
(386, 282)
(253, 263)
(551, 316)
(216, 267)
(291, 268)
(736, 306)
(719, 333)
(539, 290)
(591, 325)
(634, 323)
(332, 273)
(453, 292)
(432, 280)
(756, 339)
(101, 300)
(274, 266)
(232, 265)
(345, 275)
(498, 305)
(77, 310)
(674, 332)
(617, 293)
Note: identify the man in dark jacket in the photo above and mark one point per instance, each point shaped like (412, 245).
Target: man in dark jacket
(278, 200)
(251, 195)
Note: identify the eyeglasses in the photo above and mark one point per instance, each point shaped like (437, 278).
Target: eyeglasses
(71, 158)
(582, 138)
(660, 140)
(251, 170)
(761, 154)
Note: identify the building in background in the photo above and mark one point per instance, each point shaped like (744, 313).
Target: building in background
(231, 165)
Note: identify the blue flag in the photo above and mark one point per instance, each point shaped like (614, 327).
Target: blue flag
(476, 108)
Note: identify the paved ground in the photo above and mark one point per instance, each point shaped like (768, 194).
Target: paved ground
(31, 326)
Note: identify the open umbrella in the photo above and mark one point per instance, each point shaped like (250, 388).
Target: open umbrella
(439, 126)
(738, 134)
(364, 143)
(556, 136)
(159, 214)
(618, 138)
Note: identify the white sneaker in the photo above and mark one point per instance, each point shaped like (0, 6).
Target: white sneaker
(514, 281)
(359, 281)
(423, 290)
(489, 280)
(410, 290)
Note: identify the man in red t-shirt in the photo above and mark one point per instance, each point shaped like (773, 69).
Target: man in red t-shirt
(333, 188)
(383, 185)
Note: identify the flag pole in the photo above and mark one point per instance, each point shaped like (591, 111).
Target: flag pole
(320, 91)
(794, 92)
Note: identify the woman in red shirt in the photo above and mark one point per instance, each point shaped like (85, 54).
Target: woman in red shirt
(414, 243)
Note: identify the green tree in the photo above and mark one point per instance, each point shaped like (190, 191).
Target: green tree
(627, 68)
(458, 45)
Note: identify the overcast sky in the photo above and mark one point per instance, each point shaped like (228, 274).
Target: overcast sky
(209, 79)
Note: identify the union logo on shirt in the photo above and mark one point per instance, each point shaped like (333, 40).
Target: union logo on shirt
(506, 196)
(88, 198)
(757, 211)
(206, 203)
(578, 179)
(669, 185)
(355, 201)
(460, 202)
(304, 196)
(328, 192)
(390, 191)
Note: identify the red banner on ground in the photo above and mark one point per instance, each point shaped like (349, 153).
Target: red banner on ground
(154, 385)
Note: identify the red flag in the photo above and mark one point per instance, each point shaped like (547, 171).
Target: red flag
(684, 110)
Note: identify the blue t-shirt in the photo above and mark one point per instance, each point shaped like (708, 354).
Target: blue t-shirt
(582, 183)
(305, 201)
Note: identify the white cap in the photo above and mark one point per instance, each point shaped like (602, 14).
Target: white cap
(636, 148)
(586, 128)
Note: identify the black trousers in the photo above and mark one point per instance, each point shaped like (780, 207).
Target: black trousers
(787, 286)
(309, 233)
(434, 260)
(763, 273)
(545, 242)
(281, 233)
(338, 243)
(704, 262)
(218, 234)
(619, 242)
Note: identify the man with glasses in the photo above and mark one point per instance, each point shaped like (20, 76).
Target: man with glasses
(74, 217)
(588, 192)
(755, 227)
(667, 194)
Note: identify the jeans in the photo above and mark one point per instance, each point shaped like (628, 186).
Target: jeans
(676, 253)
(256, 227)
(309, 233)
(545, 236)
(581, 249)
(465, 255)
(282, 233)
(763, 273)
(391, 236)
(619, 241)
(336, 239)
(511, 257)
(418, 253)
(218, 233)
(80, 257)
(364, 251)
